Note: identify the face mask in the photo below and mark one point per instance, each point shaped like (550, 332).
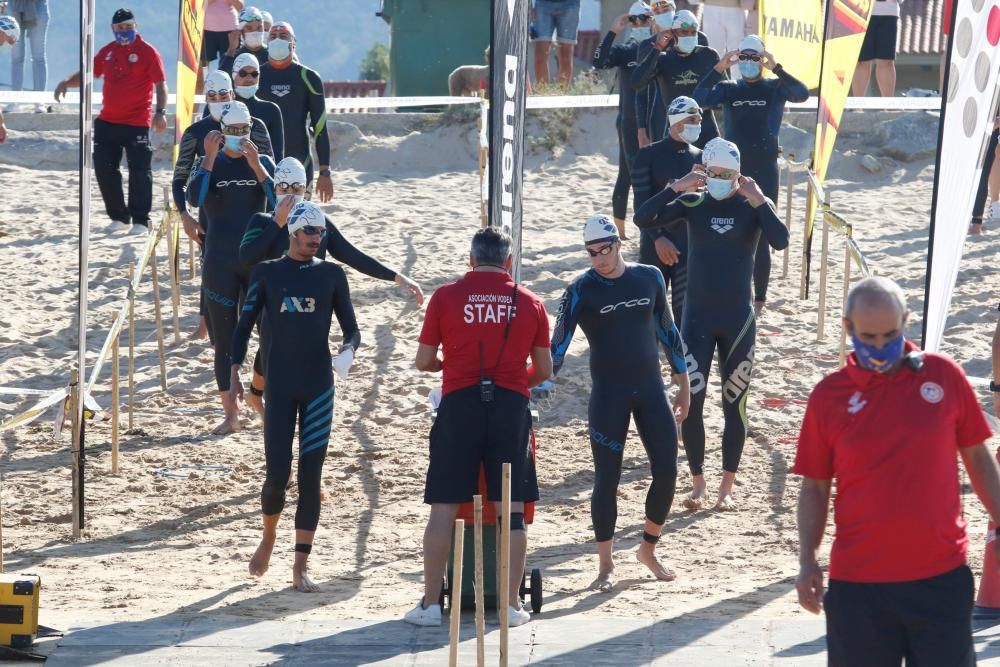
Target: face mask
(295, 198)
(215, 109)
(279, 49)
(665, 21)
(690, 133)
(234, 143)
(877, 359)
(687, 44)
(749, 70)
(719, 188)
(124, 37)
(246, 92)
(254, 40)
(640, 34)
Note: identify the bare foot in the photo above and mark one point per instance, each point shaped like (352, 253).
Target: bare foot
(696, 499)
(726, 503)
(261, 558)
(648, 558)
(257, 403)
(605, 580)
(231, 424)
(758, 308)
(301, 580)
(201, 331)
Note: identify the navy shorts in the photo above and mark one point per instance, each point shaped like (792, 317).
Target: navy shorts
(880, 40)
(213, 46)
(469, 433)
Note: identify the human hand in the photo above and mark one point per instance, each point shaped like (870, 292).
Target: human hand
(235, 384)
(663, 40)
(324, 188)
(251, 151)
(748, 187)
(643, 137)
(191, 227)
(283, 211)
(727, 60)
(682, 402)
(809, 586)
(694, 180)
(768, 60)
(60, 90)
(159, 123)
(620, 24)
(412, 287)
(666, 251)
(213, 144)
(543, 390)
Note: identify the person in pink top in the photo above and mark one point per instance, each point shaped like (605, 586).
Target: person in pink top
(220, 20)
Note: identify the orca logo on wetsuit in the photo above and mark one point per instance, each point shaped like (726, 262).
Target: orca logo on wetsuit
(631, 303)
(297, 304)
(749, 103)
(226, 184)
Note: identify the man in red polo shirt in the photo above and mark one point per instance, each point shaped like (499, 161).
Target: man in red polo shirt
(131, 69)
(487, 327)
(889, 427)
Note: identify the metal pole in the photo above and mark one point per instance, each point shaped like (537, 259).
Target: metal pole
(131, 343)
(115, 372)
(159, 319)
(810, 193)
(75, 419)
(789, 187)
(821, 318)
(503, 585)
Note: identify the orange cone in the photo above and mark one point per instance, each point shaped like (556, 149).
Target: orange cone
(988, 599)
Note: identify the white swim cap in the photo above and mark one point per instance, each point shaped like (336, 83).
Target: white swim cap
(218, 81)
(640, 8)
(721, 153)
(290, 170)
(249, 14)
(283, 24)
(245, 60)
(682, 108)
(266, 16)
(305, 214)
(235, 113)
(752, 43)
(599, 228)
(683, 17)
(9, 27)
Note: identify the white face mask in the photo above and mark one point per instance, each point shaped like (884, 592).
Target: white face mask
(687, 44)
(215, 109)
(255, 40)
(246, 92)
(690, 133)
(719, 188)
(279, 49)
(640, 34)
(295, 198)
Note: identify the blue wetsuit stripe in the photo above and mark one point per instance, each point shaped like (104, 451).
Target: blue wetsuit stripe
(317, 401)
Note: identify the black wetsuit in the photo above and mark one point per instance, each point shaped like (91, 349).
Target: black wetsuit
(623, 320)
(229, 195)
(298, 91)
(300, 299)
(270, 115)
(657, 166)
(677, 74)
(226, 62)
(264, 240)
(722, 240)
(630, 110)
(753, 122)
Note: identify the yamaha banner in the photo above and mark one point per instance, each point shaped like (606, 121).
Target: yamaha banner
(508, 79)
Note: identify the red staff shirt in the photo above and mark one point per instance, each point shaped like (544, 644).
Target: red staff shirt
(467, 318)
(891, 444)
(130, 74)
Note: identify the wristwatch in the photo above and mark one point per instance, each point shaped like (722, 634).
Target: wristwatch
(325, 172)
(996, 532)
(160, 111)
(994, 387)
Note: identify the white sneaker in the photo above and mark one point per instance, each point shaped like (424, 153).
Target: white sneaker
(429, 617)
(10, 108)
(994, 215)
(119, 226)
(139, 230)
(516, 617)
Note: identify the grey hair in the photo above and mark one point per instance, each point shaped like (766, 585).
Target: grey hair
(876, 289)
(491, 245)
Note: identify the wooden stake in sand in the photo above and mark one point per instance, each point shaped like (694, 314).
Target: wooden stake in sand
(823, 268)
(847, 288)
(456, 592)
(191, 256)
(74, 401)
(503, 585)
(477, 534)
(173, 243)
(804, 275)
(115, 373)
(1, 525)
(159, 320)
(131, 343)
(789, 188)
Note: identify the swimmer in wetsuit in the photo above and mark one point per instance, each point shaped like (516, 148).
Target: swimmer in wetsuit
(266, 238)
(754, 109)
(677, 66)
(300, 295)
(723, 226)
(622, 309)
(298, 91)
(232, 183)
(657, 166)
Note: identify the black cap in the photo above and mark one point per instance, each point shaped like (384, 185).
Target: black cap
(123, 15)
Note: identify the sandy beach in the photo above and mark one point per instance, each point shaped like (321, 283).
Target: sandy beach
(156, 546)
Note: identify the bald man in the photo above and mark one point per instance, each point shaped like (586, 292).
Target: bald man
(889, 427)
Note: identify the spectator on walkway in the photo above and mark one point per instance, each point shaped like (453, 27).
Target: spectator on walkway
(561, 17)
(33, 15)
(889, 427)
(724, 22)
(880, 46)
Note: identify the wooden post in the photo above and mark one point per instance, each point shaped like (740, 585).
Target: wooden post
(1, 524)
(477, 506)
(847, 288)
(115, 373)
(74, 401)
(789, 187)
(191, 256)
(483, 161)
(810, 193)
(131, 343)
(456, 592)
(173, 243)
(503, 583)
(159, 320)
(824, 262)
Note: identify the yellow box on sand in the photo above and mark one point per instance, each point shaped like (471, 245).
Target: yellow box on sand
(19, 609)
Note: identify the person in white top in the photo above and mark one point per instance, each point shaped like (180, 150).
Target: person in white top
(724, 22)
(880, 46)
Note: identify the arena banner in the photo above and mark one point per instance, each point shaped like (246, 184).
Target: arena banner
(508, 79)
(190, 31)
(793, 32)
(846, 23)
(967, 113)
